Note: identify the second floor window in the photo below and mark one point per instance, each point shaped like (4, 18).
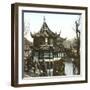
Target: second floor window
(51, 41)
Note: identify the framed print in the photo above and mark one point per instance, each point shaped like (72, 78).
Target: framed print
(49, 44)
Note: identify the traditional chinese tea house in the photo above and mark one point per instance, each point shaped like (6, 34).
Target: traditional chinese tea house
(48, 51)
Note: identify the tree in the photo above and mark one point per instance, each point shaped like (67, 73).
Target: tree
(77, 45)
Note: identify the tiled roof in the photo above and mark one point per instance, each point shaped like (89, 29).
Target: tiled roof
(44, 32)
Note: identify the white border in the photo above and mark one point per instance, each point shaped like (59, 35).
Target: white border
(50, 79)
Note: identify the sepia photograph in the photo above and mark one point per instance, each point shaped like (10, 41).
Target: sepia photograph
(49, 44)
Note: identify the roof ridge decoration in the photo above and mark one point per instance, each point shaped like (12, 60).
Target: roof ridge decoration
(44, 26)
(44, 19)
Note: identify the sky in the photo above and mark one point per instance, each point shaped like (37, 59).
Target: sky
(56, 22)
